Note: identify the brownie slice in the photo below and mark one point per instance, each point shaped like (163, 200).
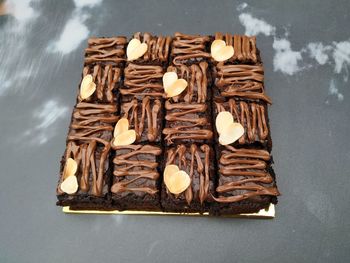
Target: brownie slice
(245, 50)
(142, 80)
(197, 162)
(136, 178)
(198, 79)
(189, 49)
(187, 123)
(246, 180)
(109, 50)
(252, 116)
(158, 49)
(107, 79)
(145, 117)
(88, 143)
(243, 81)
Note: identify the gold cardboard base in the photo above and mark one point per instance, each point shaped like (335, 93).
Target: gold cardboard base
(264, 213)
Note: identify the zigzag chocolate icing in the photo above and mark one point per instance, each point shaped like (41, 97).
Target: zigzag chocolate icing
(196, 76)
(109, 50)
(244, 173)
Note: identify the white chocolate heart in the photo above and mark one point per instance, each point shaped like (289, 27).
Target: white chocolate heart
(87, 87)
(172, 85)
(70, 185)
(135, 49)
(70, 168)
(223, 120)
(176, 181)
(231, 133)
(126, 138)
(220, 52)
(121, 126)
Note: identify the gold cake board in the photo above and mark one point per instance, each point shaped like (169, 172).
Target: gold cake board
(263, 213)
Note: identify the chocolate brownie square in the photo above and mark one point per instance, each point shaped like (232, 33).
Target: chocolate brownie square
(142, 80)
(243, 81)
(136, 179)
(145, 117)
(107, 79)
(158, 49)
(189, 49)
(245, 50)
(198, 80)
(187, 123)
(197, 162)
(107, 50)
(246, 180)
(253, 117)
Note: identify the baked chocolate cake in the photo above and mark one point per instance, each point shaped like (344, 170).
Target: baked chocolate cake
(170, 123)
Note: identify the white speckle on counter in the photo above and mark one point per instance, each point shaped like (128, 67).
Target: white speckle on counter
(318, 52)
(285, 59)
(87, 3)
(242, 6)
(71, 37)
(22, 10)
(333, 90)
(341, 56)
(254, 26)
(44, 120)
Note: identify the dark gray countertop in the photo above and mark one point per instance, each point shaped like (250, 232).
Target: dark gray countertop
(305, 46)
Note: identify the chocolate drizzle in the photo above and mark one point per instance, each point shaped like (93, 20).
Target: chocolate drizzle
(189, 48)
(195, 161)
(144, 117)
(136, 169)
(251, 115)
(244, 173)
(244, 47)
(106, 78)
(188, 122)
(142, 80)
(196, 76)
(158, 47)
(110, 50)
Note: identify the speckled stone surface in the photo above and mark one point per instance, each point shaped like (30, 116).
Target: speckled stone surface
(305, 46)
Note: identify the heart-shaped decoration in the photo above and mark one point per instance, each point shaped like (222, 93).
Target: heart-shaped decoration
(228, 130)
(70, 182)
(122, 135)
(173, 86)
(87, 87)
(176, 180)
(135, 49)
(221, 52)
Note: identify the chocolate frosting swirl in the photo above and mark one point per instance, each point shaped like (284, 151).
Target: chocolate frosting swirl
(244, 47)
(196, 76)
(88, 144)
(144, 117)
(244, 173)
(135, 169)
(142, 80)
(251, 115)
(158, 47)
(109, 50)
(189, 48)
(187, 122)
(194, 160)
(106, 78)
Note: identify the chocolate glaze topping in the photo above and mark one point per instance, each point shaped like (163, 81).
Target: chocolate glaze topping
(251, 115)
(244, 47)
(244, 174)
(187, 122)
(144, 117)
(106, 78)
(110, 50)
(195, 161)
(141, 80)
(189, 48)
(135, 165)
(233, 73)
(196, 76)
(158, 47)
